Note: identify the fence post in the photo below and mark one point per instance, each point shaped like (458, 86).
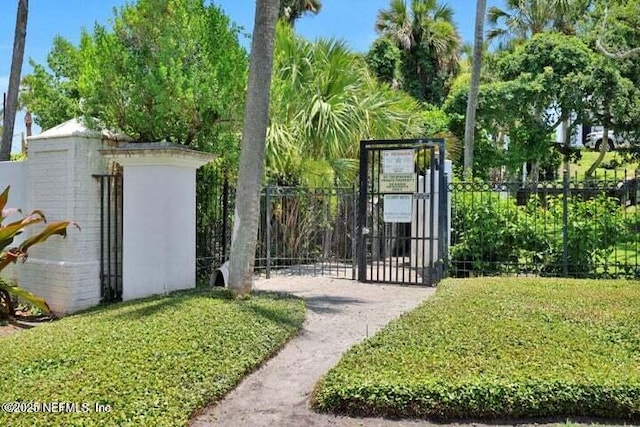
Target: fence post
(362, 213)
(225, 215)
(565, 206)
(354, 231)
(267, 230)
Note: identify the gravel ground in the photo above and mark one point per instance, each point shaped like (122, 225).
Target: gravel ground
(340, 313)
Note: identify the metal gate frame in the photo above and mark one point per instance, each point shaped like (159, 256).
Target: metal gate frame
(111, 192)
(376, 262)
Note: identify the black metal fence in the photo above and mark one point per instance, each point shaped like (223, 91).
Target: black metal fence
(568, 228)
(215, 201)
(307, 231)
(301, 230)
(565, 228)
(110, 236)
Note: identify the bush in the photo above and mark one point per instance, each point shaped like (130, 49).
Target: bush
(499, 348)
(593, 228)
(153, 362)
(486, 233)
(491, 235)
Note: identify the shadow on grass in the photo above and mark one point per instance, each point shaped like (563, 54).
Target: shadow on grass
(142, 308)
(277, 315)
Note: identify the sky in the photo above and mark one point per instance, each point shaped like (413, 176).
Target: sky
(350, 20)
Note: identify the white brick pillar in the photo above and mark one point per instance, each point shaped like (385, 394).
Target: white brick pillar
(60, 182)
(159, 219)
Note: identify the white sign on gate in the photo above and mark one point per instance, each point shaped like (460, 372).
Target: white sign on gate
(397, 161)
(398, 208)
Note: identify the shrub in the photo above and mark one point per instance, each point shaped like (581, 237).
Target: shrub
(492, 235)
(10, 254)
(499, 348)
(486, 233)
(593, 228)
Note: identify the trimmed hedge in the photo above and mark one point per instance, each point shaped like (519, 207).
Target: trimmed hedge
(153, 362)
(497, 348)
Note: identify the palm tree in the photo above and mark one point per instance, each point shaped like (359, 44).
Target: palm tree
(521, 19)
(256, 118)
(324, 102)
(14, 79)
(472, 102)
(292, 10)
(424, 31)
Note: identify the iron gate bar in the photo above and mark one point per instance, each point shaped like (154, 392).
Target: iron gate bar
(111, 208)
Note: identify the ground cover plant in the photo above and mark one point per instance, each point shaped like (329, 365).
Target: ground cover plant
(496, 348)
(150, 362)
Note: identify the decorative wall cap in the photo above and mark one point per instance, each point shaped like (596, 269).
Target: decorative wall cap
(157, 153)
(78, 128)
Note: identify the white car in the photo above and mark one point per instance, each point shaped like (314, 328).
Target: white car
(594, 141)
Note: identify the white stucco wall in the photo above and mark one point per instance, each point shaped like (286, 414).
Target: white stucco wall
(158, 219)
(161, 201)
(159, 222)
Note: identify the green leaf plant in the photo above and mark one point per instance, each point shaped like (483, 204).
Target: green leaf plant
(10, 254)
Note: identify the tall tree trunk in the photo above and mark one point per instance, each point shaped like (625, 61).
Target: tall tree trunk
(604, 147)
(472, 103)
(14, 79)
(256, 118)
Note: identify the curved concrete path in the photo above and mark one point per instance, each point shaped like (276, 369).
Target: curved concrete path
(340, 313)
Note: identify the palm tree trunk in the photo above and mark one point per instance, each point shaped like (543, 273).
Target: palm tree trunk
(256, 118)
(472, 103)
(14, 79)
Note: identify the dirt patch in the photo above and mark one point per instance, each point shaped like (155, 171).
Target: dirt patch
(21, 322)
(7, 329)
(340, 313)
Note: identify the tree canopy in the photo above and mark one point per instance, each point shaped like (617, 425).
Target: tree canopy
(429, 44)
(167, 70)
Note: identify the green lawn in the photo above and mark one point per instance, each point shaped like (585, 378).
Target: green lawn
(577, 170)
(499, 348)
(153, 362)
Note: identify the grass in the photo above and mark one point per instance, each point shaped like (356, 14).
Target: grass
(153, 362)
(577, 170)
(497, 348)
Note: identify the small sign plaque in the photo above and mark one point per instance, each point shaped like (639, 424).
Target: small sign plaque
(397, 183)
(398, 208)
(397, 161)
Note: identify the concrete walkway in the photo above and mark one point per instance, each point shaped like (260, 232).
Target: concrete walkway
(340, 314)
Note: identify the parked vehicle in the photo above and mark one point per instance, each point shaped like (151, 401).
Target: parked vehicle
(594, 141)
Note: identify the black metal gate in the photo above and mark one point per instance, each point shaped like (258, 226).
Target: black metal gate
(110, 237)
(402, 217)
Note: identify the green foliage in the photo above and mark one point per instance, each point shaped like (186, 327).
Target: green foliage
(541, 83)
(10, 254)
(488, 236)
(499, 349)
(495, 236)
(154, 361)
(429, 44)
(521, 20)
(292, 10)
(324, 102)
(383, 60)
(167, 70)
(53, 95)
(593, 230)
